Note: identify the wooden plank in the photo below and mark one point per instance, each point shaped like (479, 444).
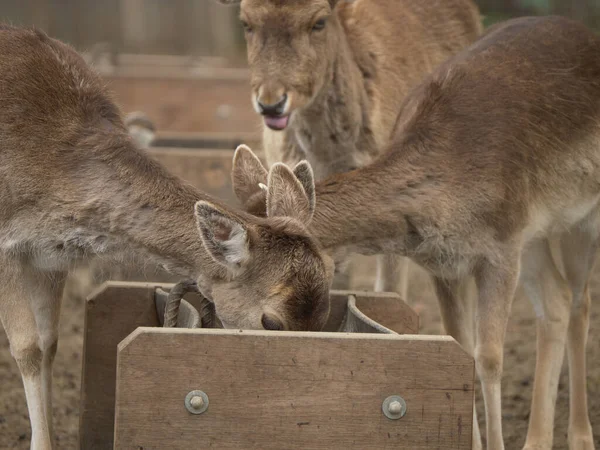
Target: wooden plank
(386, 308)
(111, 313)
(215, 100)
(208, 170)
(389, 310)
(273, 390)
(227, 141)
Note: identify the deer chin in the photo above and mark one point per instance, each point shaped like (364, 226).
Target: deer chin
(277, 123)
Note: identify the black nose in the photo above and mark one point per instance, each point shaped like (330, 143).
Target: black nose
(271, 323)
(275, 109)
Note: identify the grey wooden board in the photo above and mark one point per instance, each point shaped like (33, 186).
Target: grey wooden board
(113, 311)
(291, 390)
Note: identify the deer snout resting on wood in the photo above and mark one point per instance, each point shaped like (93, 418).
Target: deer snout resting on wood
(73, 185)
(495, 154)
(328, 77)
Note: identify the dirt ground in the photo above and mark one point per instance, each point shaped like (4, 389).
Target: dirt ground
(517, 381)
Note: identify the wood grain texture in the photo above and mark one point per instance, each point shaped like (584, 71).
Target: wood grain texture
(223, 140)
(111, 313)
(274, 390)
(386, 308)
(215, 100)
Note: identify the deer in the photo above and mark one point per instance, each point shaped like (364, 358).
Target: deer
(75, 186)
(495, 159)
(328, 77)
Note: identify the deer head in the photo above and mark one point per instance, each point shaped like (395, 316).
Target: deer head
(275, 275)
(290, 45)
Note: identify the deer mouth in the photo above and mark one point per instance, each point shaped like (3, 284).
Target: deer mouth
(277, 123)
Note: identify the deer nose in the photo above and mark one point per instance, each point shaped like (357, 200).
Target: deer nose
(273, 109)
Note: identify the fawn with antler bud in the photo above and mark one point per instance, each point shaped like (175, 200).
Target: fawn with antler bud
(495, 156)
(328, 77)
(73, 185)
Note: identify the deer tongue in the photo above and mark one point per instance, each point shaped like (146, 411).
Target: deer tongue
(276, 122)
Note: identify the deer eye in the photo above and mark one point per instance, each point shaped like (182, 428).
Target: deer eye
(247, 28)
(319, 24)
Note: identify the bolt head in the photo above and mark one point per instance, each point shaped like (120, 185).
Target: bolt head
(395, 407)
(197, 402)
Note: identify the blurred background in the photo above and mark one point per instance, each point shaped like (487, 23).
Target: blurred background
(202, 28)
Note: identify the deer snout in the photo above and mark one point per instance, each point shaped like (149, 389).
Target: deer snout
(273, 105)
(271, 322)
(273, 109)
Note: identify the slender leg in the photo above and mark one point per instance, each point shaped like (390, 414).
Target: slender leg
(496, 284)
(579, 255)
(458, 318)
(19, 322)
(45, 301)
(551, 297)
(392, 275)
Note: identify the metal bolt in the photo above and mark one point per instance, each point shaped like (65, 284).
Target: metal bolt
(394, 407)
(196, 402)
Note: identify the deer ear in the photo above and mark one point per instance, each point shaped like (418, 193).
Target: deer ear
(224, 236)
(304, 173)
(247, 176)
(286, 196)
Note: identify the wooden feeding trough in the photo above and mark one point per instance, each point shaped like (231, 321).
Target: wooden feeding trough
(367, 382)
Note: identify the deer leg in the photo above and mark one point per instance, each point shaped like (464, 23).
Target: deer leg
(20, 326)
(392, 275)
(579, 255)
(45, 301)
(550, 295)
(496, 284)
(458, 317)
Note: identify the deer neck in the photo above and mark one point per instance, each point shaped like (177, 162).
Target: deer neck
(375, 209)
(128, 203)
(333, 131)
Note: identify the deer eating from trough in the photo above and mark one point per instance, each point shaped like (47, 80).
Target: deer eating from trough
(328, 77)
(73, 186)
(495, 156)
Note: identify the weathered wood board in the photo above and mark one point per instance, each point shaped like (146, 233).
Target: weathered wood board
(292, 390)
(223, 140)
(209, 100)
(117, 308)
(207, 170)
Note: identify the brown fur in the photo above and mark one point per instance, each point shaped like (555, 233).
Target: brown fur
(73, 185)
(347, 80)
(345, 83)
(495, 155)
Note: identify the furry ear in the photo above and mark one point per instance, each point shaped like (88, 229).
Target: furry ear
(223, 235)
(229, 2)
(247, 174)
(304, 173)
(286, 196)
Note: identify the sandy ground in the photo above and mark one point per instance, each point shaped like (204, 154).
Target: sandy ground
(517, 381)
